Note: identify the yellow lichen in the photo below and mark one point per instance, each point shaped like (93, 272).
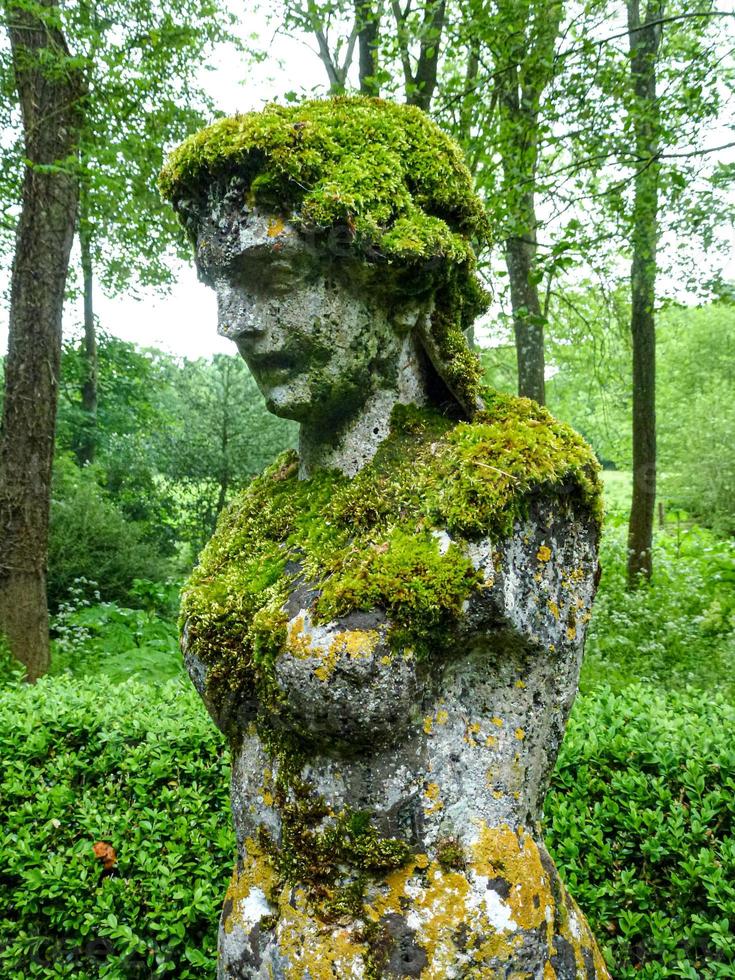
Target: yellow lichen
(544, 553)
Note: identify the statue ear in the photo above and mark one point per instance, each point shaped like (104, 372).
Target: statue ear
(452, 359)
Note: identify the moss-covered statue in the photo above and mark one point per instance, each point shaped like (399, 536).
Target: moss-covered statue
(388, 625)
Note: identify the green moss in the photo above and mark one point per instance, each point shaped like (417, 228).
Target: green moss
(372, 541)
(385, 171)
(451, 854)
(385, 175)
(333, 856)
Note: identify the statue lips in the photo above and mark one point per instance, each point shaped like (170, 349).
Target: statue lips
(270, 365)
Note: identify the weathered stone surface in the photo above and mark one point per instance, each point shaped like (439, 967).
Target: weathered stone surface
(389, 627)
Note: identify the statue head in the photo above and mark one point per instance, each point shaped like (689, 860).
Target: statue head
(338, 236)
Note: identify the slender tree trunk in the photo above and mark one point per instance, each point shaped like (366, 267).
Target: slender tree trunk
(224, 479)
(49, 94)
(524, 67)
(421, 83)
(644, 38)
(367, 21)
(86, 448)
(528, 319)
(519, 170)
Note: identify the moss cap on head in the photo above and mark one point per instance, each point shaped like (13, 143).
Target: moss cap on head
(384, 174)
(385, 171)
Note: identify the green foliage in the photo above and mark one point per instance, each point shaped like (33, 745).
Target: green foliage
(140, 66)
(342, 537)
(218, 436)
(641, 821)
(696, 412)
(590, 350)
(115, 642)
(84, 761)
(91, 538)
(679, 629)
(174, 438)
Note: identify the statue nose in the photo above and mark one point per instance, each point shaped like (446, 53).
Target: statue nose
(237, 316)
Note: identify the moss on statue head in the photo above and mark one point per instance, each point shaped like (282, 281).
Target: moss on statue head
(385, 171)
(382, 175)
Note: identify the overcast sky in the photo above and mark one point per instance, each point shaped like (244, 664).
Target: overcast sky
(184, 321)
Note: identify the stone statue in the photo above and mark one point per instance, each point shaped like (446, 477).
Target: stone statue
(389, 624)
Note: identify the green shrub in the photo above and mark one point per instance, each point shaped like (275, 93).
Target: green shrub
(641, 821)
(90, 538)
(679, 629)
(113, 642)
(84, 761)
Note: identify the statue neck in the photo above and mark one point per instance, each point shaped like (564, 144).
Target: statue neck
(350, 445)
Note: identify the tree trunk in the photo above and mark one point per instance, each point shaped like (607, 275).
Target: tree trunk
(367, 21)
(49, 93)
(421, 84)
(524, 66)
(528, 319)
(87, 445)
(428, 64)
(644, 39)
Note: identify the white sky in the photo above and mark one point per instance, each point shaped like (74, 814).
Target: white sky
(184, 321)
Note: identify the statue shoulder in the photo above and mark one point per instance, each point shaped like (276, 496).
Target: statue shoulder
(476, 477)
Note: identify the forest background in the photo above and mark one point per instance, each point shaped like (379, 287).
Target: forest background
(601, 139)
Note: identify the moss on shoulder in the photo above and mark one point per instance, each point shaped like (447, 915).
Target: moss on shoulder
(378, 540)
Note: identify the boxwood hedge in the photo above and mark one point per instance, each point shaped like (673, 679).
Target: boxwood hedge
(640, 819)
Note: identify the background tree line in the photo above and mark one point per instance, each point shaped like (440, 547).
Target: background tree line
(584, 125)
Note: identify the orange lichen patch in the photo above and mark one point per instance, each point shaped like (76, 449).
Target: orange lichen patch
(313, 948)
(328, 662)
(544, 553)
(519, 734)
(432, 794)
(357, 644)
(520, 685)
(257, 873)
(497, 721)
(500, 852)
(442, 716)
(571, 633)
(276, 227)
(428, 724)
(491, 741)
(553, 608)
(441, 904)
(298, 641)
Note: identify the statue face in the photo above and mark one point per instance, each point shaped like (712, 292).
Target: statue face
(315, 339)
